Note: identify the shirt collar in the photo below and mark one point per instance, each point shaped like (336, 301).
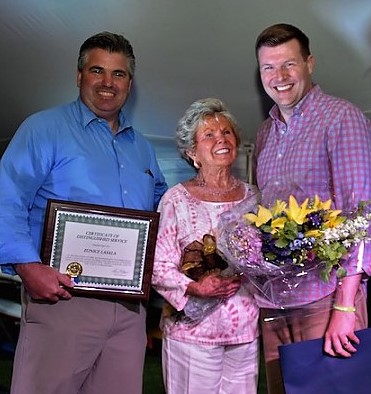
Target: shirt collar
(303, 106)
(88, 116)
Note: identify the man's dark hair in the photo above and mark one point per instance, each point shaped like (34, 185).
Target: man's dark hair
(279, 34)
(109, 42)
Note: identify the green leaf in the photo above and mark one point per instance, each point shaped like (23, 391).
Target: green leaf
(290, 230)
(341, 272)
(281, 243)
(324, 275)
(266, 228)
(270, 256)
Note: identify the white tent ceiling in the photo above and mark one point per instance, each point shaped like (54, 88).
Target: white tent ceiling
(185, 50)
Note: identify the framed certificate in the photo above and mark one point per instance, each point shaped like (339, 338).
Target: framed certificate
(107, 251)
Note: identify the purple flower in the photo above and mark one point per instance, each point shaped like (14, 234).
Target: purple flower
(315, 219)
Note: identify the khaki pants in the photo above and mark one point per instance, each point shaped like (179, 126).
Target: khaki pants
(83, 345)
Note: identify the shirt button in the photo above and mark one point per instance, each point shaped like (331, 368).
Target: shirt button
(125, 192)
(121, 166)
(280, 155)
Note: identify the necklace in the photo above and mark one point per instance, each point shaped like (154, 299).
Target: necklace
(216, 191)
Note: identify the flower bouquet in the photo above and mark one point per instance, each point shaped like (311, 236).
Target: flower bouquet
(298, 243)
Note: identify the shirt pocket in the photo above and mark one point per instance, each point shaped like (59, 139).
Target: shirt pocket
(143, 188)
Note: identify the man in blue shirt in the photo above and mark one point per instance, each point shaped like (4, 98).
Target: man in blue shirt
(85, 151)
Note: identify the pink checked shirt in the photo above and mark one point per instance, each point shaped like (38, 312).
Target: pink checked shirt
(185, 219)
(325, 149)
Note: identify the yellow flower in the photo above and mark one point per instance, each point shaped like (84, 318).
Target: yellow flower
(319, 205)
(313, 233)
(278, 208)
(279, 222)
(263, 216)
(332, 219)
(297, 212)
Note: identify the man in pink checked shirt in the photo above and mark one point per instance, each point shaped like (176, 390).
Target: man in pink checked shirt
(311, 143)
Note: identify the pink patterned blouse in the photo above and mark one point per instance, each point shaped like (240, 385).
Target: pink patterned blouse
(183, 220)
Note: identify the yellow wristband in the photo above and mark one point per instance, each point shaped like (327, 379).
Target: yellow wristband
(342, 308)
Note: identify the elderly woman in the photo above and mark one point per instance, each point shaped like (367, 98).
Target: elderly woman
(220, 353)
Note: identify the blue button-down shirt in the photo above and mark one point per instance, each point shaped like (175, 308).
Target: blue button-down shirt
(67, 153)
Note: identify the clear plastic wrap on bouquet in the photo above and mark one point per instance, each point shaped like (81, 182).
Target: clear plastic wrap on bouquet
(273, 285)
(197, 308)
(284, 271)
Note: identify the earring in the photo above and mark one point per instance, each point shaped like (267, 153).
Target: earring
(196, 165)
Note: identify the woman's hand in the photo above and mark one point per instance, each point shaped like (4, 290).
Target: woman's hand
(214, 285)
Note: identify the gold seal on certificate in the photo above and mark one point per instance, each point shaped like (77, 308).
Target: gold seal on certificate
(74, 269)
